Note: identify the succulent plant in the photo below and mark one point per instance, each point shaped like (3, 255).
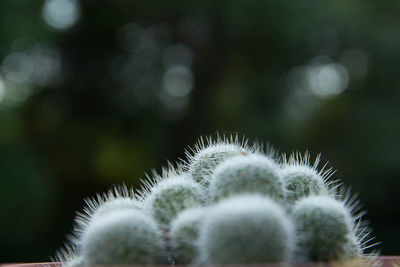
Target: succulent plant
(123, 237)
(247, 174)
(170, 196)
(117, 198)
(303, 179)
(246, 229)
(184, 233)
(324, 228)
(206, 157)
(230, 203)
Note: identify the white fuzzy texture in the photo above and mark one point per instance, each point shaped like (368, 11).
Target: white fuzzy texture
(254, 173)
(121, 203)
(118, 197)
(122, 237)
(184, 233)
(302, 181)
(246, 229)
(324, 227)
(172, 195)
(203, 163)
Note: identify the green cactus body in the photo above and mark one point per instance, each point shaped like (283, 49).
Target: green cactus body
(206, 160)
(172, 195)
(324, 228)
(123, 237)
(302, 181)
(246, 229)
(184, 233)
(250, 174)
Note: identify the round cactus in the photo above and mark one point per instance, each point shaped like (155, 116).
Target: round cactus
(246, 229)
(184, 233)
(251, 174)
(122, 237)
(302, 181)
(324, 228)
(170, 196)
(207, 157)
(117, 198)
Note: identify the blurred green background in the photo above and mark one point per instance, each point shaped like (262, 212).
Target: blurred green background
(95, 93)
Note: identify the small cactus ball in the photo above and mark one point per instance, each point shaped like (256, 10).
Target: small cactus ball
(184, 233)
(246, 229)
(123, 237)
(302, 181)
(247, 174)
(324, 228)
(172, 195)
(203, 163)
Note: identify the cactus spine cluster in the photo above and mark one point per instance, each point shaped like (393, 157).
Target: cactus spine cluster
(228, 203)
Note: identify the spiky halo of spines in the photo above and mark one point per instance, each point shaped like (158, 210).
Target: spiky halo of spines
(254, 173)
(68, 256)
(232, 139)
(163, 201)
(304, 159)
(92, 204)
(316, 215)
(362, 232)
(150, 181)
(208, 152)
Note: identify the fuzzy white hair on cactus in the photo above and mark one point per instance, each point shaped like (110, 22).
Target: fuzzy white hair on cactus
(172, 195)
(184, 233)
(123, 237)
(254, 173)
(206, 155)
(246, 229)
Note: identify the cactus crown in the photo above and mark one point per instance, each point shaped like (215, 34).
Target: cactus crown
(117, 197)
(247, 174)
(172, 195)
(206, 155)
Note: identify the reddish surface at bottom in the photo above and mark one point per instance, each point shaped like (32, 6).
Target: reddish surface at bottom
(386, 261)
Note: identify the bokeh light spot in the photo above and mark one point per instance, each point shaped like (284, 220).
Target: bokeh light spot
(178, 81)
(327, 80)
(61, 14)
(17, 67)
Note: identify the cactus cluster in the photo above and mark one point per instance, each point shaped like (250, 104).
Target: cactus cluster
(228, 203)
